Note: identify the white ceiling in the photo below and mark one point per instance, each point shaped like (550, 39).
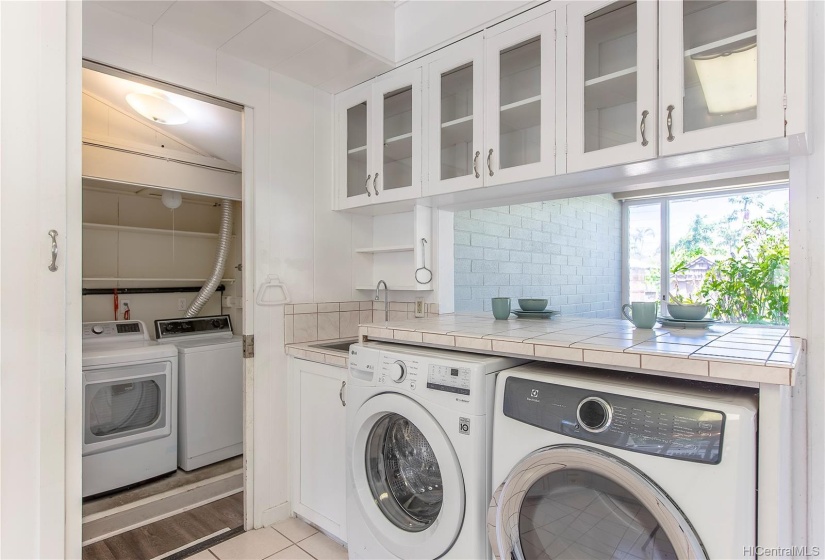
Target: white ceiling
(212, 129)
(265, 34)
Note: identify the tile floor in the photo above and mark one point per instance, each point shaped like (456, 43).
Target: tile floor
(291, 539)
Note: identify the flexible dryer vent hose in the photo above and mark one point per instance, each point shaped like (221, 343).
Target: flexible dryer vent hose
(224, 239)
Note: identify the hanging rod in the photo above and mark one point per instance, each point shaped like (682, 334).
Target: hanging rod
(124, 291)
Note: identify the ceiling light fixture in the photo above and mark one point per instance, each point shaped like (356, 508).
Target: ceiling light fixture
(156, 108)
(728, 79)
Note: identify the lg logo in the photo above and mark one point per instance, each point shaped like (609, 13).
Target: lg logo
(464, 426)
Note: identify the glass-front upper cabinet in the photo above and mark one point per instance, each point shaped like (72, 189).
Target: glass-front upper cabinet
(520, 101)
(721, 73)
(611, 83)
(396, 172)
(454, 118)
(353, 158)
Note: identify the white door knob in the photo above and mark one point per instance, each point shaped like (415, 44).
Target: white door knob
(397, 371)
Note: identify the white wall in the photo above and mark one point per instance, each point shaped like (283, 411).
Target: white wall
(295, 233)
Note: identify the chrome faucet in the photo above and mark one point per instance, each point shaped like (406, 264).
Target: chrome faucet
(386, 305)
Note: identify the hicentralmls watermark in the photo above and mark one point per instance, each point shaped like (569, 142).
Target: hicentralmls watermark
(782, 551)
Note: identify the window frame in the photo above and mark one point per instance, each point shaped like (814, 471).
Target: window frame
(664, 206)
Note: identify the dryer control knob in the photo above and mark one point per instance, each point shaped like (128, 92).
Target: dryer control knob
(97, 329)
(398, 371)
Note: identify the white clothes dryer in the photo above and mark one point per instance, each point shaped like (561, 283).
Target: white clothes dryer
(418, 451)
(210, 388)
(594, 464)
(130, 422)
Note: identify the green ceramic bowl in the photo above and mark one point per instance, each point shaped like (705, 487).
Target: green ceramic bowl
(687, 312)
(532, 304)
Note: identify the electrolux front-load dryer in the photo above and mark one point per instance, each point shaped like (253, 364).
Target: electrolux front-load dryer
(594, 464)
(418, 451)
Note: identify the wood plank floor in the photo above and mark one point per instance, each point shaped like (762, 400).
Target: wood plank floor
(168, 534)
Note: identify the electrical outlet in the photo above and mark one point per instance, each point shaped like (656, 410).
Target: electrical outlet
(419, 307)
(181, 304)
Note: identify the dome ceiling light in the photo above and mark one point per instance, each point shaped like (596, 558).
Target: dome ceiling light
(156, 108)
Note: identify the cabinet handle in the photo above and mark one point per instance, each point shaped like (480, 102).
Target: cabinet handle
(53, 235)
(475, 164)
(341, 393)
(374, 180)
(489, 161)
(642, 128)
(367, 185)
(670, 136)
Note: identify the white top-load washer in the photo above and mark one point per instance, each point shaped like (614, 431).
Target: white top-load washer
(418, 451)
(210, 388)
(594, 464)
(129, 406)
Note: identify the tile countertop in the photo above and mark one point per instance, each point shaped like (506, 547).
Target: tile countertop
(310, 351)
(732, 354)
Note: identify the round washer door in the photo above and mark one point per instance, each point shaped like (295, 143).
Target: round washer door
(572, 501)
(407, 477)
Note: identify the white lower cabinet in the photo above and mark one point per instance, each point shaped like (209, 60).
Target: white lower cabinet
(317, 420)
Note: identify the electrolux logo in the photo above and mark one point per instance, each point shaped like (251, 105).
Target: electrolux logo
(782, 551)
(534, 396)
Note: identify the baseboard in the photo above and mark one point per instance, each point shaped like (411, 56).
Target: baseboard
(275, 514)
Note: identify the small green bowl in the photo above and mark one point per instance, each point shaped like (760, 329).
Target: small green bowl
(532, 304)
(692, 312)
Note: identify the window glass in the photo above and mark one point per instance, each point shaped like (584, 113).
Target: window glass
(644, 248)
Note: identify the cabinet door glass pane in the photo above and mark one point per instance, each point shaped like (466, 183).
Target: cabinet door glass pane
(720, 63)
(520, 111)
(398, 139)
(457, 122)
(610, 116)
(356, 149)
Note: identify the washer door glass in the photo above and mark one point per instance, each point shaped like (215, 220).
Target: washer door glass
(572, 501)
(403, 473)
(579, 514)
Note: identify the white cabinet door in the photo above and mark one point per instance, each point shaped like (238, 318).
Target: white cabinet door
(455, 117)
(353, 157)
(520, 101)
(318, 432)
(721, 73)
(611, 83)
(396, 136)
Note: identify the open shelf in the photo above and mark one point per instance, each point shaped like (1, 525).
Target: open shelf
(521, 115)
(738, 38)
(396, 249)
(133, 229)
(395, 289)
(459, 131)
(141, 282)
(610, 90)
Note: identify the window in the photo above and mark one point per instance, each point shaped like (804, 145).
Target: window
(727, 249)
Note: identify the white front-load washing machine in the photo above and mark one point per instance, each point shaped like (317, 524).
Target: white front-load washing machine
(594, 464)
(418, 451)
(130, 425)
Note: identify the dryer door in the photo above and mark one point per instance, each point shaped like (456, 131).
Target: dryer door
(408, 481)
(572, 501)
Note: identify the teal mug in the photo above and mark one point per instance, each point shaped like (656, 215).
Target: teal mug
(643, 314)
(501, 307)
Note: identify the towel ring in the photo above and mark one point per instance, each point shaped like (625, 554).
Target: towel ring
(423, 275)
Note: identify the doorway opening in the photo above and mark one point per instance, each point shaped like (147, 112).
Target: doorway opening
(163, 317)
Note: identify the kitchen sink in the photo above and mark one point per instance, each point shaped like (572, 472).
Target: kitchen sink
(343, 346)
